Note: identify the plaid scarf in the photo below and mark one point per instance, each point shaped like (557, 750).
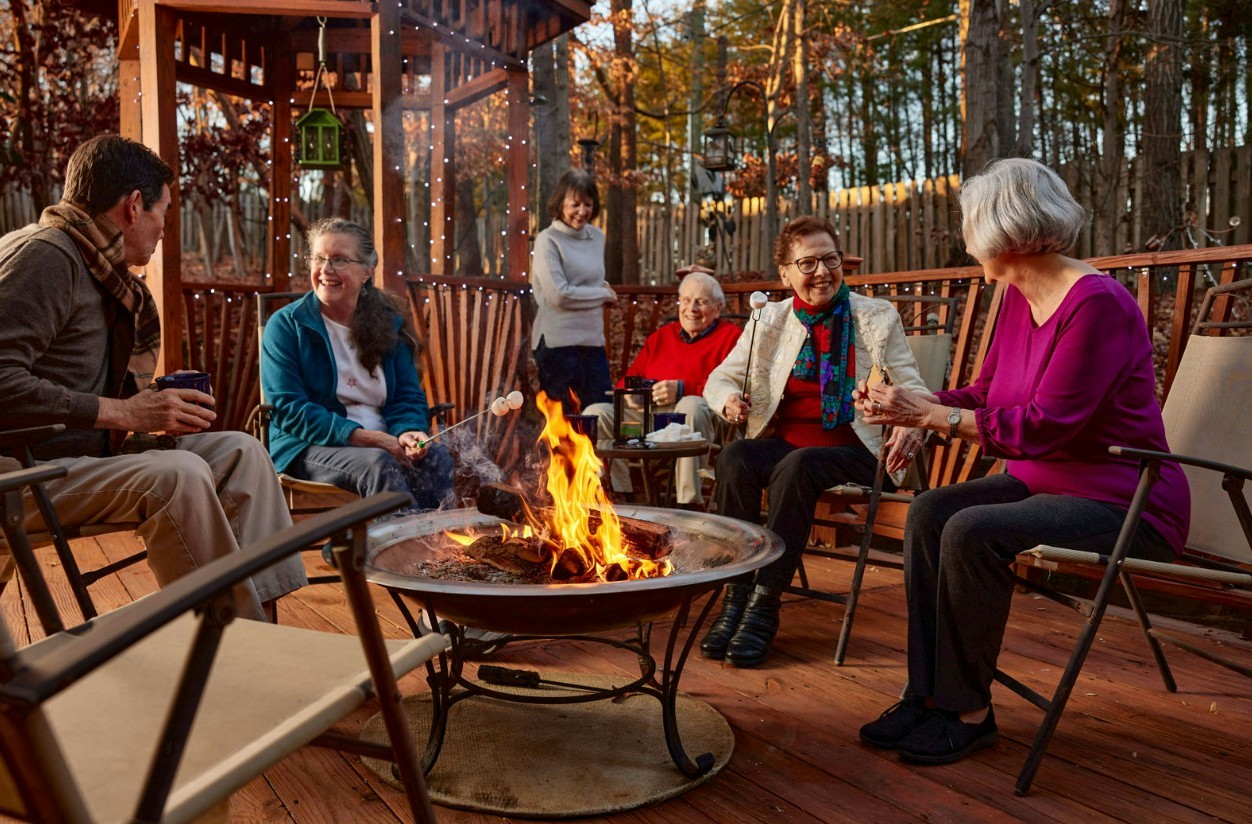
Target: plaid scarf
(137, 338)
(829, 355)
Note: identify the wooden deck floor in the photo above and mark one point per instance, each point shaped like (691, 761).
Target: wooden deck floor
(1126, 749)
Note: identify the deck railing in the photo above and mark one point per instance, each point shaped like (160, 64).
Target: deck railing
(475, 332)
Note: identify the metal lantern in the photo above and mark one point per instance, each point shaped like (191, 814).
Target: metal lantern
(719, 148)
(320, 136)
(640, 389)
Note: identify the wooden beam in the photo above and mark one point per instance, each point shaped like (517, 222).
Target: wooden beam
(351, 9)
(474, 90)
(127, 29)
(205, 79)
(278, 243)
(359, 100)
(160, 133)
(442, 34)
(518, 166)
(413, 42)
(388, 148)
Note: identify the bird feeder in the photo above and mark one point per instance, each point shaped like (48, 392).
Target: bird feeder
(321, 136)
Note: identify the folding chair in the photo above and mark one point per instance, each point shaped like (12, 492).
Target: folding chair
(931, 350)
(18, 445)
(1208, 416)
(258, 422)
(159, 710)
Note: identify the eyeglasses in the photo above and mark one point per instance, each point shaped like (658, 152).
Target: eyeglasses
(699, 303)
(808, 265)
(336, 263)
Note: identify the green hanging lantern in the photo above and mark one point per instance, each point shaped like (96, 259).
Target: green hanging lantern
(321, 138)
(320, 130)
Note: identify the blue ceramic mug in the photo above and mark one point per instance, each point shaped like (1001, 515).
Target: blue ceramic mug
(199, 381)
(660, 420)
(588, 425)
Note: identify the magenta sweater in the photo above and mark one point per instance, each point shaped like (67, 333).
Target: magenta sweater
(1051, 400)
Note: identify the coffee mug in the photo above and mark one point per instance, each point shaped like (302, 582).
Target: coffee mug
(637, 382)
(660, 420)
(588, 425)
(199, 381)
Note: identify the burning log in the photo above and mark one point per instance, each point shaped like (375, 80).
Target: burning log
(645, 538)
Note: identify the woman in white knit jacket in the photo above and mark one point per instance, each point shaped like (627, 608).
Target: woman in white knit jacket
(567, 275)
(803, 434)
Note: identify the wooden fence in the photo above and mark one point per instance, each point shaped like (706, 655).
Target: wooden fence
(895, 227)
(475, 333)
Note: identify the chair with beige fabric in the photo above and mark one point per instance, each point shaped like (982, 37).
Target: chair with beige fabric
(16, 450)
(1208, 415)
(159, 710)
(931, 342)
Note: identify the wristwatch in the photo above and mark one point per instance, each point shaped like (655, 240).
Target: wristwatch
(954, 421)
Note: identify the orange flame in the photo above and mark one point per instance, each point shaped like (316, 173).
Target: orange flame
(574, 483)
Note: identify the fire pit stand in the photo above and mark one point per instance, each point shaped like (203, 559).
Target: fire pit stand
(708, 551)
(449, 684)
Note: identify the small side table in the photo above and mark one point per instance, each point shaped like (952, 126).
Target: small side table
(652, 458)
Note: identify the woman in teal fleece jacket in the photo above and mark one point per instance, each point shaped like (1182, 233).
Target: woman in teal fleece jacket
(338, 368)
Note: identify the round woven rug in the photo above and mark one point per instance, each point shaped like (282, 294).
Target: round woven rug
(560, 761)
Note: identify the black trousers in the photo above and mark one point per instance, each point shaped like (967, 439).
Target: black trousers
(959, 544)
(794, 478)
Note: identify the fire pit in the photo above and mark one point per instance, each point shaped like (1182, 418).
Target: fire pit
(707, 551)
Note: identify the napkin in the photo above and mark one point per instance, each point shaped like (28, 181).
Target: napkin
(674, 433)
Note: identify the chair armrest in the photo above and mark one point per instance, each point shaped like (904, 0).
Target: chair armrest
(19, 478)
(46, 674)
(16, 441)
(1202, 463)
(439, 412)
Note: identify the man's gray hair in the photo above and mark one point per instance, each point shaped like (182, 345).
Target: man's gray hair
(1020, 206)
(708, 282)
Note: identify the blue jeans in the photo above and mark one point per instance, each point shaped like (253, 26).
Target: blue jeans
(367, 470)
(581, 371)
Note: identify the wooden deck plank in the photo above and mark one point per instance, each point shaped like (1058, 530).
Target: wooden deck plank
(1125, 750)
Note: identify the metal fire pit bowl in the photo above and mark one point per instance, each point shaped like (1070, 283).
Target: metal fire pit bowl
(708, 550)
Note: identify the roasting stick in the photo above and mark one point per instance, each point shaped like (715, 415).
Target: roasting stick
(757, 301)
(499, 407)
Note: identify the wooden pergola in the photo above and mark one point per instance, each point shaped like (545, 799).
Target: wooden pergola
(432, 55)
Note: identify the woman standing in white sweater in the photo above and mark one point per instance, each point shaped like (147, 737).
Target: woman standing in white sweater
(567, 275)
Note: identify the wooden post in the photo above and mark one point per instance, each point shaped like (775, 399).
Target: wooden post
(128, 88)
(278, 246)
(388, 146)
(518, 228)
(160, 133)
(442, 167)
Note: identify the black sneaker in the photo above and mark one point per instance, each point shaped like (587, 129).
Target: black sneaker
(943, 738)
(895, 723)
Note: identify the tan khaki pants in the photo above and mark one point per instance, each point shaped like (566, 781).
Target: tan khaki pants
(686, 478)
(216, 492)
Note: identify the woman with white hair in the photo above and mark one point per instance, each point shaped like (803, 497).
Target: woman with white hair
(1069, 374)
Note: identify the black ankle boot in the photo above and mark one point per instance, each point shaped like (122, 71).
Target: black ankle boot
(713, 645)
(751, 642)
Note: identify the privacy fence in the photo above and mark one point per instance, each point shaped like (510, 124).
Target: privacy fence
(893, 227)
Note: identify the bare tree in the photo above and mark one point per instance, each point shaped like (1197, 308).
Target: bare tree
(622, 242)
(552, 133)
(1160, 172)
(980, 37)
(1108, 211)
(804, 142)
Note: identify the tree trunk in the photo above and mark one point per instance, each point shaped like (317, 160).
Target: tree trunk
(1108, 210)
(778, 64)
(980, 37)
(548, 127)
(804, 143)
(1160, 174)
(469, 255)
(622, 243)
(1030, 74)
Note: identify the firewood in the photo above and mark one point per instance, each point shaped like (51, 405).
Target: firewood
(644, 539)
